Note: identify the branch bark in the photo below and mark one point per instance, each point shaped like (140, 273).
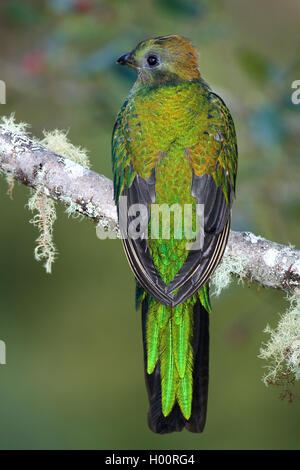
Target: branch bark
(30, 163)
(270, 264)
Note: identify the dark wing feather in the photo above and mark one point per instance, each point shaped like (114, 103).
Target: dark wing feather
(138, 191)
(142, 191)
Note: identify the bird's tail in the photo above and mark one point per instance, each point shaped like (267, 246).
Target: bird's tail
(176, 358)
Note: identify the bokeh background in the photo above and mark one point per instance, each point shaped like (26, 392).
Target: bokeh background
(74, 373)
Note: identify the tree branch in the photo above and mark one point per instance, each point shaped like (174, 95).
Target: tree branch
(270, 264)
(32, 164)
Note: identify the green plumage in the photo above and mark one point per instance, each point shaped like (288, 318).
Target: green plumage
(178, 128)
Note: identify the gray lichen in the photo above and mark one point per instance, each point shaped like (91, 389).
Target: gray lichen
(44, 220)
(10, 125)
(40, 200)
(229, 267)
(58, 142)
(282, 351)
(21, 128)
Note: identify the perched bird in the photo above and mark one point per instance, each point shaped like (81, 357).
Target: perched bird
(174, 145)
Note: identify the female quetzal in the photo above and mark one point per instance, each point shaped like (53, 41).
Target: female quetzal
(174, 143)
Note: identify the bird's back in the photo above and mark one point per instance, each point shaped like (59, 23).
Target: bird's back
(163, 126)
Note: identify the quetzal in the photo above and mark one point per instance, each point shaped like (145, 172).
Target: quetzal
(174, 142)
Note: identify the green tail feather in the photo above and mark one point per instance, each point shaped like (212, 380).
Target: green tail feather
(163, 315)
(185, 387)
(204, 298)
(152, 337)
(167, 370)
(182, 334)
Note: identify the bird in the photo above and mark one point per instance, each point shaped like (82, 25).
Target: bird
(173, 146)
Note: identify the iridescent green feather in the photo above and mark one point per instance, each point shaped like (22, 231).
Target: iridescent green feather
(182, 335)
(167, 369)
(122, 169)
(184, 390)
(153, 336)
(204, 298)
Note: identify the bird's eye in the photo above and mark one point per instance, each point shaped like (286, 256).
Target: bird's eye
(152, 60)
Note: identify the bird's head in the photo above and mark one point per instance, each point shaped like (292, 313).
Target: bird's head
(163, 60)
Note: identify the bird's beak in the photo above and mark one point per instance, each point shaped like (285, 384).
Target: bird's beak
(126, 59)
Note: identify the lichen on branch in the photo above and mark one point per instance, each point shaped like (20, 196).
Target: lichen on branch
(40, 202)
(282, 351)
(43, 220)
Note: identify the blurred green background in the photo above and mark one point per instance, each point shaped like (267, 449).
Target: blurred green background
(74, 374)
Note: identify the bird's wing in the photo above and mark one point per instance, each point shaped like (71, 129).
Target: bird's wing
(214, 166)
(121, 162)
(137, 190)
